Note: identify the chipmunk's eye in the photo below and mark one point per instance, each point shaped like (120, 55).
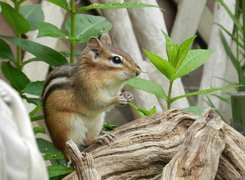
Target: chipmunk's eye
(116, 59)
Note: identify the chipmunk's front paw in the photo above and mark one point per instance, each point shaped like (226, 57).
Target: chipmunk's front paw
(128, 96)
(105, 139)
(124, 98)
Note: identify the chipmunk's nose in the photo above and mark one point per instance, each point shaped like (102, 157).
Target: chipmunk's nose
(138, 71)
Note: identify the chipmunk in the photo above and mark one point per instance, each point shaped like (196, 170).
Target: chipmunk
(76, 97)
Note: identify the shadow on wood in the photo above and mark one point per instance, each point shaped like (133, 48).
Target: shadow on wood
(172, 145)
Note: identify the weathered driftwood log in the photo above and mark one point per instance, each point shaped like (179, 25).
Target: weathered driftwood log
(199, 156)
(172, 145)
(83, 162)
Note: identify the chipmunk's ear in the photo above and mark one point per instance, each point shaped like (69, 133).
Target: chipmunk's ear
(105, 39)
(94, 44)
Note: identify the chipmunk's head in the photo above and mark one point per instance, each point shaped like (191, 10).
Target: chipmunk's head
(108, 62)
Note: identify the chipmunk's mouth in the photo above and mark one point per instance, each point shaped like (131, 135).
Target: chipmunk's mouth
(129, 75)
(138, 72)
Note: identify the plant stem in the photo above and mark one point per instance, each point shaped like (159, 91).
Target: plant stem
(243, 18)
(236, 33)
(242, 2)
(72, 43)
(169, 101)
(18, 35)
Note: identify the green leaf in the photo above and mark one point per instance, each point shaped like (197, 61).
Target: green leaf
(68, 54)
(35, 110)
(225, 80)
(58, 170)
(62, 3)
(48, 150)
(144, 112)
(221, 98)
(231, 35)
(233, 17)
(47, 29)
(205, 91)
(46, 146)
(114, 5)
(16, 77)
(197, 110)
(42, 52)
(37, 118)
(52, 156)
(87, 26)
(183, 50)
(16, 20)
(39, 129)
(148, 86)
(236, 63)
(230, 54)
(33, 14)
(162, 65)
(227, 48)
(193, 60)
(5, 51)
(149, 112)
(34, 88)
(172, 50)
(108, 126)
(36, 101)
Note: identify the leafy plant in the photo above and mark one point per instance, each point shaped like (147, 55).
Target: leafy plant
(143, 112)
(197, 110)
(108, 126)
(78, 29)
(181, 61)
(238, 36)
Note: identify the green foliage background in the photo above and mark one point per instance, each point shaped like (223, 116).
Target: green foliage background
(78, 29)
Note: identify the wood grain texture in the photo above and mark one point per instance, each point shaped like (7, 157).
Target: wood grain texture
(172, 145)
(83, 162)
(199, 156)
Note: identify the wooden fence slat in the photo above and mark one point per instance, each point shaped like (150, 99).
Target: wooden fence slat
(206, 22)
(217, 64)
(187, 19)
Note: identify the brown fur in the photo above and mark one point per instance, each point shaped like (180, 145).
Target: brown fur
(82, 91)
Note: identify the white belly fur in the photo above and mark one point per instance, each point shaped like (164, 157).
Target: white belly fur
(83, 127)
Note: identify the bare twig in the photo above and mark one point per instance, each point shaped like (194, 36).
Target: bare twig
(83, 163)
